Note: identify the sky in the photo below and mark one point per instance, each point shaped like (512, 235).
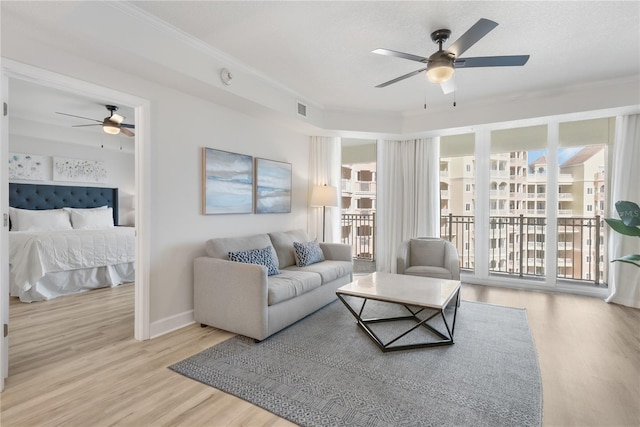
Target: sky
(563, 154)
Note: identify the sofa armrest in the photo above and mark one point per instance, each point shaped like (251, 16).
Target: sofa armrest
(402, 257)
(336, 251)
(231, 296)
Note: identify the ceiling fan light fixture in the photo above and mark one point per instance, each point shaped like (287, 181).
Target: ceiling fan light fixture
(440, 73)
(110, 127)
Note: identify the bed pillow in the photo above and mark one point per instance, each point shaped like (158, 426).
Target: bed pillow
(307, 253)
(39, 220)
(91, 219)
(264, 256)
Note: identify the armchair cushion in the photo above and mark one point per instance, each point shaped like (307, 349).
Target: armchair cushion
(437, 272)
(427, 252)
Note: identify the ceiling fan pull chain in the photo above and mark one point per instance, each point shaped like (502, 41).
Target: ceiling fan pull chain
(425, 97)
(454, 93)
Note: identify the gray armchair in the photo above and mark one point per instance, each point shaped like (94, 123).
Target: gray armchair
(428, 257)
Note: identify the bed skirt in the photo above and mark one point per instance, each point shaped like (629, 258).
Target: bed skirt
(53, 285)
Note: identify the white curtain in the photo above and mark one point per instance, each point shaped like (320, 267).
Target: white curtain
(324, 168)
(624, 279)
(408, 202)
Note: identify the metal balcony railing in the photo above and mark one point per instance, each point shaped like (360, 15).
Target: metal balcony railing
(521, 241)
(358, 231)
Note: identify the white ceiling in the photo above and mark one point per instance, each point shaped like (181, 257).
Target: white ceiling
(322, 50)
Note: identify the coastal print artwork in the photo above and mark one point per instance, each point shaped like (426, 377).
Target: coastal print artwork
(78, 170)
(273, 186)
(26, 166)
(227, 185)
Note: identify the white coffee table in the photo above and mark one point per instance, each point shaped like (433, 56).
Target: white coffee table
(416, 294)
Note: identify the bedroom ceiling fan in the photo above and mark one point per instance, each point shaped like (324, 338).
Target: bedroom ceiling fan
(442, 64)
(112, 125)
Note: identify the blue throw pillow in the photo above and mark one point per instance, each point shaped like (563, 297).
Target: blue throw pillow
(263, 256)
(307, 253)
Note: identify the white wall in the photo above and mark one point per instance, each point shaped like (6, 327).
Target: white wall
(180, 125)
(120, 166)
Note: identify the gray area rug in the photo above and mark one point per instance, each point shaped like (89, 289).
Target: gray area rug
(325, 371)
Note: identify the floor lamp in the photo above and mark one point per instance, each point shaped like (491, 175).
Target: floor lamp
(323, 196)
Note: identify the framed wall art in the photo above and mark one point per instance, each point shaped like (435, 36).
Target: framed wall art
(227, 182)
(273, 186)
(77, 170)
(26, 166)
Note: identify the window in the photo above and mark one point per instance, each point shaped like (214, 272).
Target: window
(588, 259)
(467, 207)
(467, 188)
(468, 168)
(466, 246)
(589, 208)
(589, 190)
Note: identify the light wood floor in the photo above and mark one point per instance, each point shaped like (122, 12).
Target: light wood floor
(74, 362)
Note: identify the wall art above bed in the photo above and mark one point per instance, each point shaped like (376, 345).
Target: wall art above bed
(27, 167)
(227, 182)
(77, 170)
(273, 186)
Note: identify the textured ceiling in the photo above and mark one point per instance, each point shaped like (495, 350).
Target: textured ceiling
(322, 50)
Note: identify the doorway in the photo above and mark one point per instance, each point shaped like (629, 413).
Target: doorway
(20, 72)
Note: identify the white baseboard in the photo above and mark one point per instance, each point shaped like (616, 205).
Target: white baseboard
(171, 323)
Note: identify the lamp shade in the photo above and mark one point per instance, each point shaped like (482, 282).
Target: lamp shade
(324, 195)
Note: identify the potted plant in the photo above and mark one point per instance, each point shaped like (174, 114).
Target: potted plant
(628, 225)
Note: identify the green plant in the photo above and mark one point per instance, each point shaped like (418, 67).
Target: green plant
(628, 224)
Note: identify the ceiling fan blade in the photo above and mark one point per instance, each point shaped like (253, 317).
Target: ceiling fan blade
(81, 126)
(448, 87)
(116, 118)
(402, 55)
(397, 79)
(80, 117)
(471, 37)
(126, 131)
(491, 61)
(126, 125)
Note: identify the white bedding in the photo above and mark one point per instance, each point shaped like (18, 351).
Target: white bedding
(36, 258)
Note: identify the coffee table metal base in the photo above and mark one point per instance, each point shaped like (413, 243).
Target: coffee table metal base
(445, 338)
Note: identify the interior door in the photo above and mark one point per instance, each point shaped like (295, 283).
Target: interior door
(4, 230)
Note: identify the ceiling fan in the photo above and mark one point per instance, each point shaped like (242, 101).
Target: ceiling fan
(112, 125)
(442, 64)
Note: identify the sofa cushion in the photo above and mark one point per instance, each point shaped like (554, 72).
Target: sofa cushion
(427, 252)
(264, 256)
(329, 270)
(307, 253)
(282, 241)
(290, 284)
(220, 247)
(425, 271)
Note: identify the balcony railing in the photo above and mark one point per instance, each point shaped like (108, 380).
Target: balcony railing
(517, 244)
(521, 240)
(358, 231)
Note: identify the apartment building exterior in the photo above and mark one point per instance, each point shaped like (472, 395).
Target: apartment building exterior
(518, 213)
(358, 208)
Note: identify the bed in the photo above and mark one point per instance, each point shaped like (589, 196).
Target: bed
(65, 240)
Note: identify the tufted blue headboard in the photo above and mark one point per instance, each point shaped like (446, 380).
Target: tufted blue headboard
(41, 196)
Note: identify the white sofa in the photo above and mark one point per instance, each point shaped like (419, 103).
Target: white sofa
(243, 299)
